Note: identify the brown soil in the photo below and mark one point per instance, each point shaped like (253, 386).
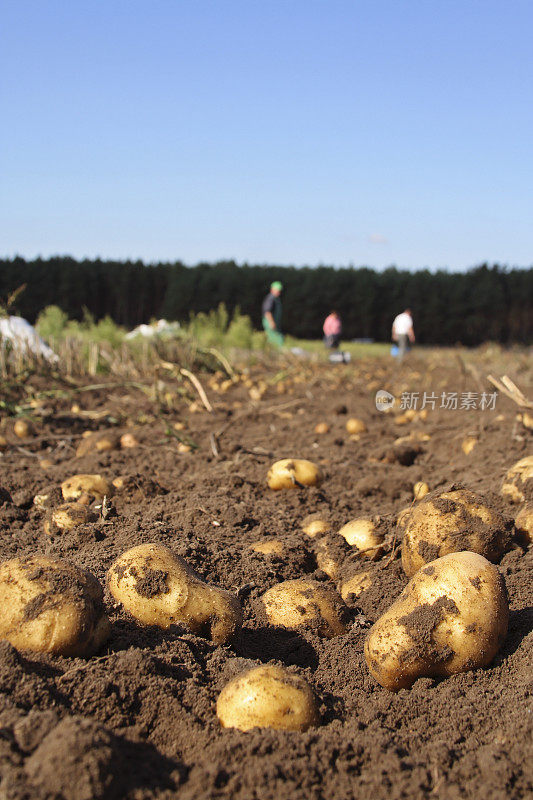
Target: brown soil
(138, 720)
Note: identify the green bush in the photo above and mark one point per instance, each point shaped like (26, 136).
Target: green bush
(52, 323)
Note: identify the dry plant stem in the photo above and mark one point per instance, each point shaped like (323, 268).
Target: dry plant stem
(255, 409)
(199, 388)
(511, 390)
(223, 360)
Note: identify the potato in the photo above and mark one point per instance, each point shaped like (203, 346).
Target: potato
(159, 588)
(306, 602)
(321, 428)
(128, 440)
(271, 547)
(267, 697)
(363, 534)
(453, 521)
(67, 517)
(97, 443)
(517, 485)
(93, 485)
(48, 605)
(330, 553)
(524, 524)
(451, 617)
(468, 444)
(355, 425)
(315, 525)
(420, 490)
(3, 444)
(22, 428)
(356, 585)
(292, 472)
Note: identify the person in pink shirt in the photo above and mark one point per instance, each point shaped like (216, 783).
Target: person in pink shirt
(332, 330)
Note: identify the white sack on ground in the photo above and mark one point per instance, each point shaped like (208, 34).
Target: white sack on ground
(23, 336)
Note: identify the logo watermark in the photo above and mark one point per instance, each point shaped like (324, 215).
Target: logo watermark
(449, 401)
(384, 400)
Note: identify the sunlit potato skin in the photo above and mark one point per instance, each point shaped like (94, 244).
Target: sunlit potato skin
(451, 522)
(451, 617)
(268, 697)
(48, 605)
(294, 603)
(364, 535)
(159, 588)
(291, 473)
(524, 524)
(93, 485)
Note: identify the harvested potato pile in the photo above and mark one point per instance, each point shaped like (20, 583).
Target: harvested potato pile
(159, 588)
(48, 605)
(451, 617)
(450, 522)
(267, 697)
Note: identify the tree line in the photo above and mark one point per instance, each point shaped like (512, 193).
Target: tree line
(487, 303)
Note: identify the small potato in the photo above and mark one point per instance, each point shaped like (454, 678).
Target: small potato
(22, 428)
(50, 606)
(290, 473)
(420, 490)
(97, 443)
(468, 444)
(159, 588)
(364, 535)
(67, 517)
(128, 440)
(321, 428)
(451, 617)
(524, 524)
(267, 697)
(517, 485)
(450, 522)
(355, 425)
(356, 585)
(93, 485)
(314, 525)
(272, 547)
(306, 602)
(3, 444)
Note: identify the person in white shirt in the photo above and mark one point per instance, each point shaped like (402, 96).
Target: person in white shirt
(402, 332)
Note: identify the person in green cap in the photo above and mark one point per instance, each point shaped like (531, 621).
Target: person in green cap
(271, 311)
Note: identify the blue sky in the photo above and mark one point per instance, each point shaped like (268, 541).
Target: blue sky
(269, 131)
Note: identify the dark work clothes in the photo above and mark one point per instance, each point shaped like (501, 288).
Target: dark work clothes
(272, 304)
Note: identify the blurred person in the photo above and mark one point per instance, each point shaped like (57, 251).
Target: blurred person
(332, 330)
(271, 312)
(403, 332)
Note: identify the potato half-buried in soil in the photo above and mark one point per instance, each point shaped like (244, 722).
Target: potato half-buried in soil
(450, 522)
(451, 617)
(267, 697)
(292, 604)
(48, 605)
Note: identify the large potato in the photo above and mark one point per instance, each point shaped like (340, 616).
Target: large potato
(306, 602)
(450, 522)
(159, 588)
(451, 617)
(92, 485)
(518, 483)
(48, 605)
(364, 534)
(290, 473)
(267, 697)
